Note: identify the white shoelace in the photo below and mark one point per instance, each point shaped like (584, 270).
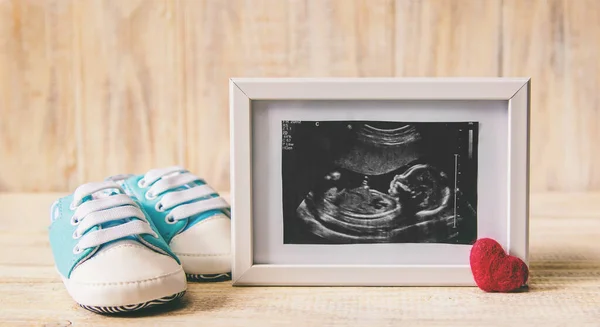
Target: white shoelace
(112, 207)
(159, 181)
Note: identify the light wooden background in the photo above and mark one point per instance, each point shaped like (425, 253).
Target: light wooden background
(93, 88)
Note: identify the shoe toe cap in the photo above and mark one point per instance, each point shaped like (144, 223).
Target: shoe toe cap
(122, 262)
(125, 273)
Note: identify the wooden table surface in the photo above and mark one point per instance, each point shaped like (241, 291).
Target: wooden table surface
(564, 284)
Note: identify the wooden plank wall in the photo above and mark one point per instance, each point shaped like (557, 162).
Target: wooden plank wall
(94, 88)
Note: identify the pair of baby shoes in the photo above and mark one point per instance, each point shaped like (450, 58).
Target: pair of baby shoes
(129, 242)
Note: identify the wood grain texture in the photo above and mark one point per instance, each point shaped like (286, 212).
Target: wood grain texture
(448, 38)
(37, 107)
(551, 41)
(564, 284)
(93, 88)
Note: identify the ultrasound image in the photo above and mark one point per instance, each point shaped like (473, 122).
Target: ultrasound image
(348, 182)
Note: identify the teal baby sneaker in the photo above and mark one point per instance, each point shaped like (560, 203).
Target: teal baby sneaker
(191, 217)
(109, 254)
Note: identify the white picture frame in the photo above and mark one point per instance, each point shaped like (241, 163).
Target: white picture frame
(514, 93)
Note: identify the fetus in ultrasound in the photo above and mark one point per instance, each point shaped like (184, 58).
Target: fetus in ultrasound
(422, 188)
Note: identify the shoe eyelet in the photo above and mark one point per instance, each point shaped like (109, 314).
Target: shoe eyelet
(75, 221)
(150, 196)
(142, 183)
(76, 235)
(169, 219)
(159, 207)
(77, 249)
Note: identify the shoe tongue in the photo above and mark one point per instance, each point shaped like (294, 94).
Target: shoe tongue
(104, 194)
(120, 180)
(128, 239)
(101, 194)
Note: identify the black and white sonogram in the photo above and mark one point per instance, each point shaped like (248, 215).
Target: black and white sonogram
(347, 182)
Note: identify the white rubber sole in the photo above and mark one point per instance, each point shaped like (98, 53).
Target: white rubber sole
(208, 278)
(133, 307)
(127, 296)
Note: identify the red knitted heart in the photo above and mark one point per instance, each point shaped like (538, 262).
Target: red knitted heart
(494, 270)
